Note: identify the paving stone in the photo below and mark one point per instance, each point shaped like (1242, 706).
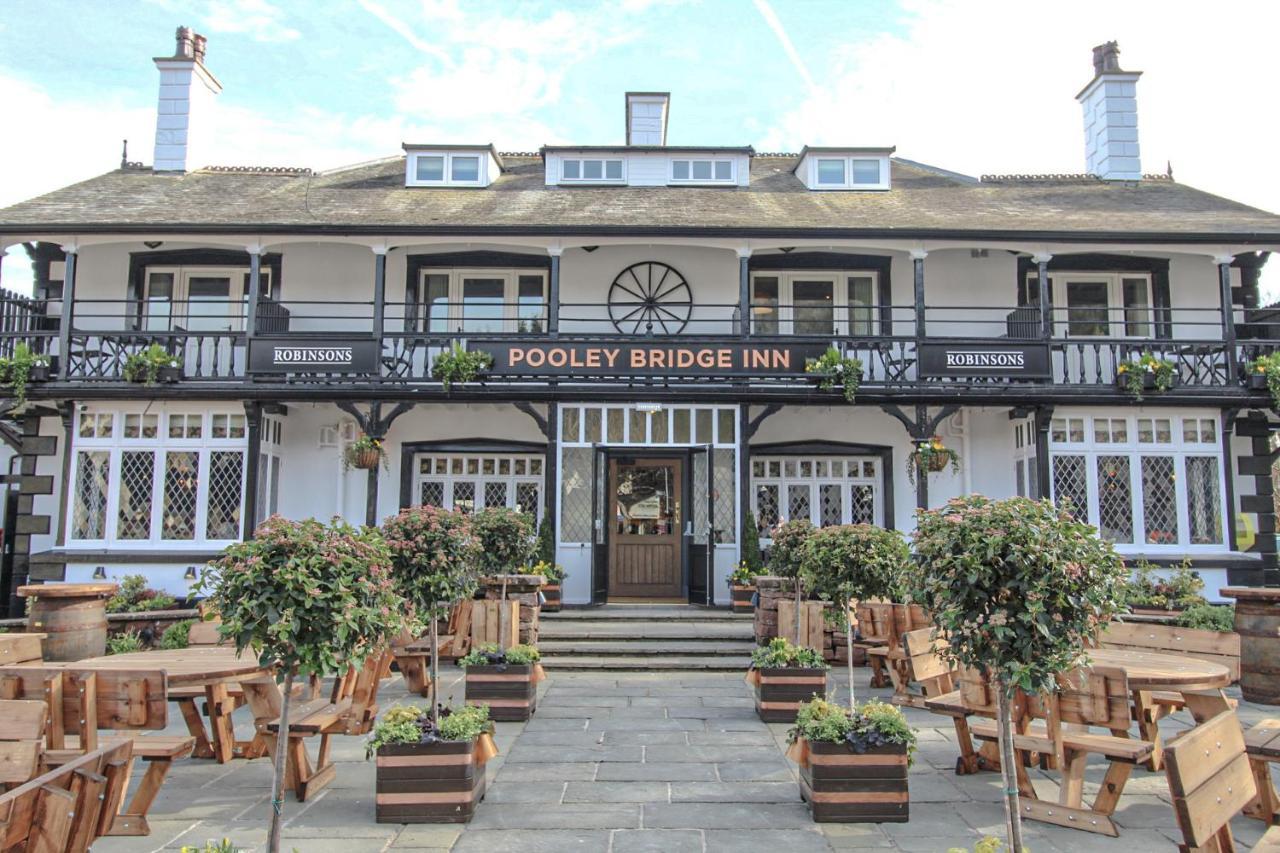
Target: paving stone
(657, 841)
(429, 835)
(722, 738)
(617, 792)
(712, 754)
(557, 772)
(544, 816)
(532, 841)
(810, 840)
(521, 754)
(726, 816)
(646, 724)
(757, 771)
(671, 738)
(555, 724)
(164, 833)
(656, 772)
(571, 737)
(524, 792)
(735, 792)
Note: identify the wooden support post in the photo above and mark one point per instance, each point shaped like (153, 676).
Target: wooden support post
(1043, 417)
(68, 314)
(917, 260)
(253, 454)
(1046, 299)
(379, 298)
(744, 292)
(553, 294)
(1228, 313)
(255, 293)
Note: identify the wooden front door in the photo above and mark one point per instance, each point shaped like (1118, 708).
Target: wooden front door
(646, 513)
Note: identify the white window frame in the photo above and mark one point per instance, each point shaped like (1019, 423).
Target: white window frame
(446, 180)
(848, 183)
(510, 295)
(115, 445)
(479, 479)
(842, 327)
(1117, 314)
(1178, 448)
(182, 275)
(713, 180)
(789, 475)
(581, 160)
(1026, 474)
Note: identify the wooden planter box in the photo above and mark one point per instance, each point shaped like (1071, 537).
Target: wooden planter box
(551, 598)
(428, 783)
(1148, 382)
(508, 690)
(843, 786)
(1257, 382)
(740, 596)
(781, 690)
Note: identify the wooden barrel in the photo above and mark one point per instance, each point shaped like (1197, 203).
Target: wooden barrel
(1258, 624)
(73, 616)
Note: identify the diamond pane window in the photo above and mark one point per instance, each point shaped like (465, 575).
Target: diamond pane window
(1115, 499)
(1204, 500)
(575, 495)
(137, 471)
(862, 504)
(527, 495)
(723, 477)
(225, 467)
(181, 487)
(89, 517)
(464, 496)
(535, 467)
(495, 494)
(798, 503)
(1070, 483)
(1159, 500)
(700, 498)
(431, 493)
(766, 507)
(830, 504)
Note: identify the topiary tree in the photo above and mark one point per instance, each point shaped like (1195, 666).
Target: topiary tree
(1017, 587)
(854, 561)
(786, 557)
(308, 599)
(751, 544)
(544, 550)
(505, 537)
(435, 560)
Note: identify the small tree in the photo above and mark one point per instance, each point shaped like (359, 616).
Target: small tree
(854, 561)
(434, 561)
(751, 544)
(505, 537)
(786, 556)
(544, 550)
(1017, 586)
(309, 599)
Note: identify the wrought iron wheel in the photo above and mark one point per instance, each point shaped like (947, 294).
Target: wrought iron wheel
(650, 297)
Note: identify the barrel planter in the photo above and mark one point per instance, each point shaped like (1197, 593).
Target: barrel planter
(781, 690)
(73, 616)
(551, 598)
(844, 786)
(1258, 624)
(428, 782)
(510, 691)
(740, 597)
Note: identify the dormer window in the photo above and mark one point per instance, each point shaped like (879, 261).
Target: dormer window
(702, 171)
(603, 170)
(430, 168)
(844, 169)
(440, 166)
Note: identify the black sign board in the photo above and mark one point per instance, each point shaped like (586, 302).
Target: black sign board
(1009, 361)
(320, 355)
(548, 358)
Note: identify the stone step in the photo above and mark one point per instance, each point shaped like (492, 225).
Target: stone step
(621, 663)
(606, 630)
(646, 613)
(680, 648)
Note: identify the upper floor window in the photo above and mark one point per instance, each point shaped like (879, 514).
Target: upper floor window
(702, 171)
(588, 170)
(198, 298)
(434, 168)
(840, 173)
(1099, 305)
(814, 303)
(479, 301)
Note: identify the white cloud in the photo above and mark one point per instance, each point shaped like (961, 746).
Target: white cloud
(259, 19)
(789, 48)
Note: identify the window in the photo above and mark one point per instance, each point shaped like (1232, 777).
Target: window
(479, 301)
(472, 482)
(831, 172)
(823, 490)
(447, 169)
(821, 304)
(866, 171)
(157, 479)
(1026, 473)
(198, 299)
(270, 464)
(853, 172)
(430, 167)
(1147, 483)
(464, 169)
(1099, 305)
(702, 171)
(591, 170)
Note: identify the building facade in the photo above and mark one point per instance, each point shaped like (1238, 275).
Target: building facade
(650, 310)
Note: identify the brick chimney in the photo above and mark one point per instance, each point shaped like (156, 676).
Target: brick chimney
(1110, 105)
(185, 110)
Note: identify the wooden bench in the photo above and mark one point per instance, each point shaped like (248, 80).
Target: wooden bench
(1211, 646)
(883, 639)
(68, 808)
(1262, 743)
(21, 648)
(22, 724)
(1210, 780)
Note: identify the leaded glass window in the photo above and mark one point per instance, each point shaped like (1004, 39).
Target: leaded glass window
(824, 491)
(137, 480)
(181, 492)
(766, 506)
(1204, 500)
(93, 472)
(469, 481)
(862, 500)
(225, 483)
(1159, 501)
(575, 495)
(1070, 483)
(1115, 499)
(830, 505)
(431, 493)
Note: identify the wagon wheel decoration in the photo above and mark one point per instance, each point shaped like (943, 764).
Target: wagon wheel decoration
(649, 296)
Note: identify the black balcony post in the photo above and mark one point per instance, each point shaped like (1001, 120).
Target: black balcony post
(1046, 305)
(1228, 313)
(917, 259)
(252, 471)
(255, 292)
(1042, 418)
(744, 292)
(68, 314)
(379, 297)
(553, 294)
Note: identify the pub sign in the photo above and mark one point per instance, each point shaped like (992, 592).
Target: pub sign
(1008, 361)
(555, 359)
(321, 355)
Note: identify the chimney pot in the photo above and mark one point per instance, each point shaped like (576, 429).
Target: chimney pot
(185, 47)
(199, 45)
(1106, 58)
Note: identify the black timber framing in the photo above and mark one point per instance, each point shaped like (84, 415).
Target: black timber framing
(1099, 262)
(139, 261)
(921, 427)
(409, 451)
(375, 425)
(1260, 465)
(816, 447)
(32, 484)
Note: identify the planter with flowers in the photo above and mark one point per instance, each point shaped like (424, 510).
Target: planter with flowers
(365, 453)
(1264, 375)
(456, 364)
(151, 365)
(429, 771)
(1146, 374)
(544, 558)
(931, 457)
(504, 680)
(22, 368)
(742, 588)
(784, 677)
(833, 370)
(853, 764)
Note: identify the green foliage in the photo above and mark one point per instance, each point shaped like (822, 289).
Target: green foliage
(466, 723)
(834, 369)
(854, 561)
(492, 655)
(1016, 586)
(135, 596)
(931, 457)
(743, 575)
(553, 572)
(176, 636)
(989, 844)
(871, 725)
(751, 544)
(434, 558)
(1133, 374)
(1269, 366)
(144, 366)
(544, 550)
(364, 444)
(1208, 617)
(123, 644)
(1146, 588)
(786, 555)
(307, 595)
(505, 537)
(403, 724)
(781, 652)
(459, 365)
(15, 371)
(223, 846)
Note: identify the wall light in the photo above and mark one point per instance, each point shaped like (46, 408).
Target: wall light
(190, 574)
(100, 573)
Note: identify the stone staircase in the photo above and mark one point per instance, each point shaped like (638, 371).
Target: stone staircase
(629, 637)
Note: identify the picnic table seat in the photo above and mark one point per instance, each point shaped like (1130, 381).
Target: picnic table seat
(1212, 646)
(21, 648)
(21, 740)
(68, 808)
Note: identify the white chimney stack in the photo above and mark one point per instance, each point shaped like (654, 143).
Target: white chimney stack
(184, 113)
(647, 117)
(1110, 103)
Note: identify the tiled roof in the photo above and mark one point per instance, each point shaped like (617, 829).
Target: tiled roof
(372, 196)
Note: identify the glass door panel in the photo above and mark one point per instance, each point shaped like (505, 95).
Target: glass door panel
(764, 305)
(814, 306)
(1087, 304)
(159, 301)
(482, 307)
(530, 304)
(209, 303)
(861, 305)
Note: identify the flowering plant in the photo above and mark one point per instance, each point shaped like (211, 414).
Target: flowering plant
(144, 366)
(505, 537)
(404, 724)
(930, 457)
(871, 725)
(743, 575)
(781, 652)
(833, 368)
(1268, 366)
(460, 365)
(491, 655)
(1133, 374)
(364, 452)
(553, 572)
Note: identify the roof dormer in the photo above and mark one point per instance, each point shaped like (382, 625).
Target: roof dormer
(844, 168)
(450, 165)
(647, 166)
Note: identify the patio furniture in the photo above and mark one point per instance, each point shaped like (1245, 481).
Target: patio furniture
(888, 623)
(72, 615)
(1262, 743)
(21, 740)
(68, 808)
(1211, 781)
(1213, 646)
(21, 648)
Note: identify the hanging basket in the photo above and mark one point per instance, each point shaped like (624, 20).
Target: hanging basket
(935, 463)
(365, 460)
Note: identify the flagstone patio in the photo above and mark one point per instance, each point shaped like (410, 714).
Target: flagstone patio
(631, 763)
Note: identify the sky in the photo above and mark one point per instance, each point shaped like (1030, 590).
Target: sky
(975, 86)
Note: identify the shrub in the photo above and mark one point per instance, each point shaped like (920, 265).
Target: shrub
(1147, 589)
(1208, 617)
(492, 655)
(781, 652)
(544, 550)
(135, 596)
(15, 371)
(505, 537)
(786, 555)
(177, 635)
(751, 544)
(123, 644)
(871, 725)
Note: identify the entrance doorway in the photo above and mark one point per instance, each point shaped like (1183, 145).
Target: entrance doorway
(646, 517)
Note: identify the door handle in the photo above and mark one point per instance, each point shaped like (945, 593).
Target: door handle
(688, 529)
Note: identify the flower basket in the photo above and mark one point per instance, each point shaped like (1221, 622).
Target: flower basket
(366, 459)
(510, 691)
(842, 785)
(1151, 383)
(781, 690)
(740, 597)
(931, 457)
(438, 782)
(551, 600)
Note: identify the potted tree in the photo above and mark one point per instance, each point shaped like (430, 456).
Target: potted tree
(784, 676)
(786, 557)
(504, 680)
(853, 761)
(742, 582)
(1017, 586)
(544, 555)
(308, 598)
(506, 542)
